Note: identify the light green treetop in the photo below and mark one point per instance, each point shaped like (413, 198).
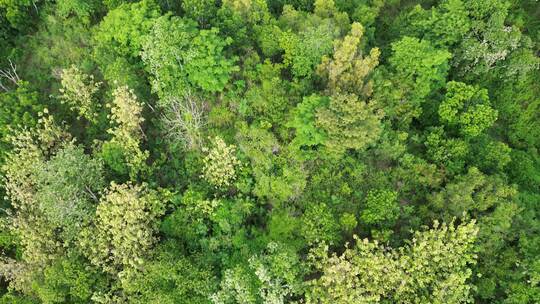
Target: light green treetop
(349, 123)
(347, 70)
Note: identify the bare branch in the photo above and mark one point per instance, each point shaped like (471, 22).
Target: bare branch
(10, 73)
(91, 193)
(3, 87)
(35, 6)
(184, 119)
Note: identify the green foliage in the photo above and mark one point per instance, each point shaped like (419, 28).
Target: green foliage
(444, 25)
(82, 9)
(20, 109)
(17, 11)
(277, 175)
(363, 11)
(447, 152)
(113, 155)
(192, 219)
(308, 37)
(319, 224)
(171, 278)
(68, 280)
(13, 298)
(468, 108)
(124, 228)
(269, 151)
(525, 169)
(180, 57)
(491, 156)
(304, 122)
(278, 272)
(237, 18)
(348, 222)
(339, 182)
(49, 183)
(272, 277)
(126, 112)
(200, 10)
(237, 286)
(252, 11)
(57, 44)
(78, 90)
(220, 164)
(66, 186)
(124, 28)
(205, 63)
(347, 70)
(526, 127)
(381, 208)
(487, 45)
(277, 5)
(298, 49)
(420, 65)
(270, 97)
(471, 193)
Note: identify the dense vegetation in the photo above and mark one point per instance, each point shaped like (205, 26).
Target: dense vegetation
(270, 151)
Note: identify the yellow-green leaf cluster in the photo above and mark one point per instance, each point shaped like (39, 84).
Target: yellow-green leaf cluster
(124, 228)
(346, 71)
(126, 113)
(220, 164)
(77, 92)
(432, 268)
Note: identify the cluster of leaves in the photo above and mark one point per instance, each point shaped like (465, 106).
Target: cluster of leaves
(269, 151)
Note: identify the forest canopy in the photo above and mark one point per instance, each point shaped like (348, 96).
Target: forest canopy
(269, 151)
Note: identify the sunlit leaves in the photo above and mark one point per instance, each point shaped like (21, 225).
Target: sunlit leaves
(127, 134)
(381, 207)
(124, 28)
(304, 122)
(419, 63)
